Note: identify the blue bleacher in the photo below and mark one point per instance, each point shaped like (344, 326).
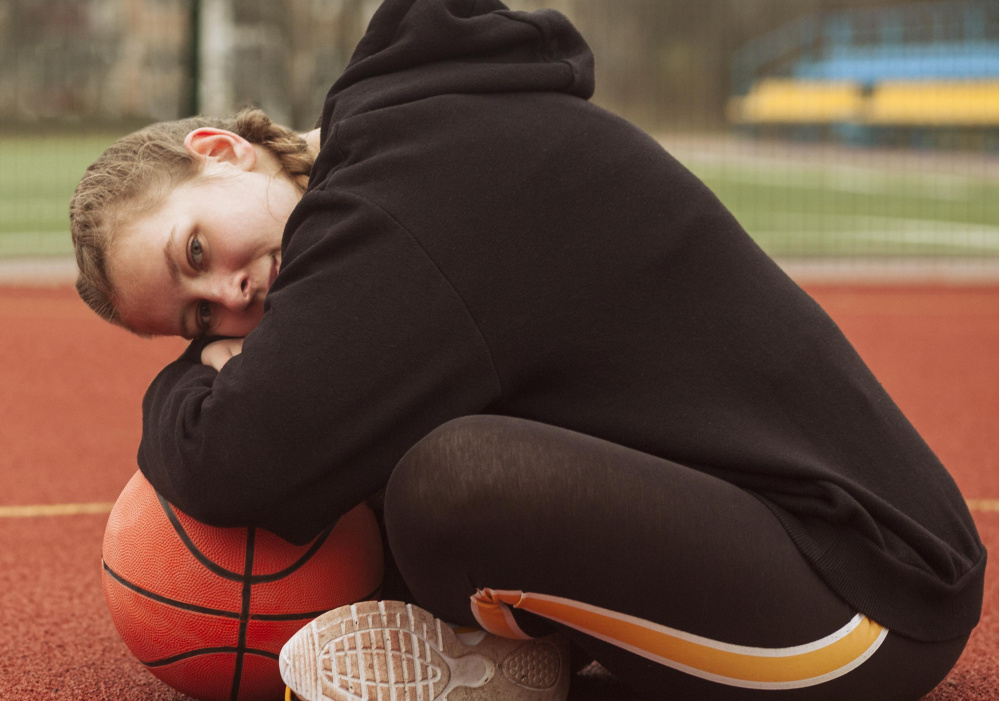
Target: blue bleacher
(915, 70)
(932, 61)
(942, 40)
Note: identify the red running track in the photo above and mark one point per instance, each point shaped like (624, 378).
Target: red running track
(70, 423)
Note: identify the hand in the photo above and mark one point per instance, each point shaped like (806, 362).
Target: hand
(218, 353)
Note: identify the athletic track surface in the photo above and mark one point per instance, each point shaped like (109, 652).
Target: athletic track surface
(70, 424)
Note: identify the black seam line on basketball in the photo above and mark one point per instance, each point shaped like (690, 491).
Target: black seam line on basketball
(299, 616)
(316, 545)
(234, 690)
(189, 544)
(229, 574)
(376, 590)
(208, 651)
(166, 600)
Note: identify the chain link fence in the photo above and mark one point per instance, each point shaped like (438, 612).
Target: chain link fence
(818, 163)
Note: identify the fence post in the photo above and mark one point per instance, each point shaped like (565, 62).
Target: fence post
(215, 43)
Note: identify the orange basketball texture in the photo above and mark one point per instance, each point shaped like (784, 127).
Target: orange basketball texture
(207, 609)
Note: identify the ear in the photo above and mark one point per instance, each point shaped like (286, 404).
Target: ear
(209, 145)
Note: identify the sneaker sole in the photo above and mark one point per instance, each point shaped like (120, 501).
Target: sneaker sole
(391, 651)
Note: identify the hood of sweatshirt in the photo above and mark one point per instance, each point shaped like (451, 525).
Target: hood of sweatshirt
(415, 49)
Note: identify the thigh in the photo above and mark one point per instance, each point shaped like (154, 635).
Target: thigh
(507, 504)
(516, 504)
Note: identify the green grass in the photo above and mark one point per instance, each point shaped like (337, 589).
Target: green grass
(792, 208)
(807, 209)
(37, 177)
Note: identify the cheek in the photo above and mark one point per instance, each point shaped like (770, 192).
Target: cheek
(240, 324)
(148, 307)
(241, 243)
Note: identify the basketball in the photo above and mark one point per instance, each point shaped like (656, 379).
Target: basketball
(207, 609)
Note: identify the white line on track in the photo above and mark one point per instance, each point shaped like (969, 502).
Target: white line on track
(99, 507)
(983, 505)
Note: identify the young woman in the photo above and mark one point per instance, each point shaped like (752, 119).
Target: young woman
(595, 406)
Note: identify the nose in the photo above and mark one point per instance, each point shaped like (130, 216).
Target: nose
(233, 291)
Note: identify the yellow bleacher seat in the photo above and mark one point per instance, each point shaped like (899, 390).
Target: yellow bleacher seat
(787, 101)
(934, 103)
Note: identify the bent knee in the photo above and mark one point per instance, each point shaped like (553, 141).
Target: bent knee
(456, 471)
(452, 450)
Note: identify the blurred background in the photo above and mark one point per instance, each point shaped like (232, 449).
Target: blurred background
(846, 135)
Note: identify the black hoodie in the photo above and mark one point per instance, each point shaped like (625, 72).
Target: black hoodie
(478, 238)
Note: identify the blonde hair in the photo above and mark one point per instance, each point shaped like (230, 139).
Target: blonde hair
(137, 171)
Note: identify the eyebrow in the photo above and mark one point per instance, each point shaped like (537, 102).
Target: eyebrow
(175, 275)
(175, 271)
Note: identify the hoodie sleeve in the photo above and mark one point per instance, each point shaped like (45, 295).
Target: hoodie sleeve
(363, 349)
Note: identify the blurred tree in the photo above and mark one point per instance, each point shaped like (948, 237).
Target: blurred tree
(661, 63)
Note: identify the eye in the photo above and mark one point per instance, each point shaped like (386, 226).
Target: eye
(196, 252)
(204, 315)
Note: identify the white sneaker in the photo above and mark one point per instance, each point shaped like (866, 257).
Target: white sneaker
(391, 651)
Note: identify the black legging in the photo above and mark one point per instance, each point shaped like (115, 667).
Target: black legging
(507, 504)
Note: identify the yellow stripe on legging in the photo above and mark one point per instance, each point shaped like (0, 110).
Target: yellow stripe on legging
(735, 665)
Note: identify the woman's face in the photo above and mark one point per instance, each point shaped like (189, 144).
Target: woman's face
(202, 261)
